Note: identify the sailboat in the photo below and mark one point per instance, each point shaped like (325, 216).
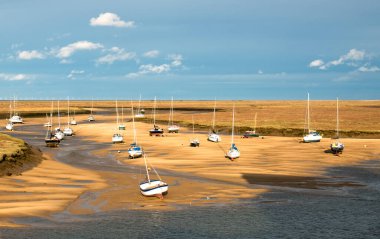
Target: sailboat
(51, 139)
(134, 150)
(9, 125)
(194, 142)
(140, 112)
(233, 152)
(311, 136)
(73, 121)
(153, 187)
(15, 117)
(117, 137)
(172, 128)
(337, 147)
(58, 133)
(48, 123)
(156, 131)
(121, 125)
(213, 136)
(91, 116)
(67, 130)
(251, 133)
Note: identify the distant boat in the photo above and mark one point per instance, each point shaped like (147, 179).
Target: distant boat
(156, 130)
(194, 142)
(153, 187)
(134, 150)
(251, 133)
(73, 121)
(9, 125)
(51, 139)
(213, 136)
(91, 116)
(15, 117)
(117, 137)
(337, 147)
(121, 124)
(172, 128)
(311, 136)
(233, 152)
(67, 130)
(140, 112)
(48, 123)
(58, 133)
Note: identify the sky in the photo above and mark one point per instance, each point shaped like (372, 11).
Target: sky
(198, 49)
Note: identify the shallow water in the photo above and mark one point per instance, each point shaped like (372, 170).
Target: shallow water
(287, 211)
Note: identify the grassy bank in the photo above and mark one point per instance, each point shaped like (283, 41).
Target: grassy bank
(16, 156)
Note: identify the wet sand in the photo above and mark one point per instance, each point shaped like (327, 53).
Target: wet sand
(197, 176)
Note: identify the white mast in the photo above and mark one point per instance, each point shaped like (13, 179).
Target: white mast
(133, 125)
(213, 117)
(308, 113)
(146, 168)
(59, 117)
(154, 111)
(233, 125)
(68, 111)
(92, 104)
(117, 116)
(337, 117)
(254, 129)
(138, 110)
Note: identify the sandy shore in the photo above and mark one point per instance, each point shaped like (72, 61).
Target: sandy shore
(197, 176)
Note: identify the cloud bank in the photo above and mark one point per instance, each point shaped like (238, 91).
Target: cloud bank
(111, 20)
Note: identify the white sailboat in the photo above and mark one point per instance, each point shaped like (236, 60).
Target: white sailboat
(15, 117)
(134, 150)
(312, 135)
(51, 140)
(9, 125)
(67, 130)
(213, 136)
(172, 128)
(48, 123)
(73, 121)
(337, 147)
(58, 133)
(156, 131)
(153, 187)
(140, 112)
(233, 152)
(194, 142)
(251, 133)
(91, 116)
(117, 137)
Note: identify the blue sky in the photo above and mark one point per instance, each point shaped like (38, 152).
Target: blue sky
(195, 49)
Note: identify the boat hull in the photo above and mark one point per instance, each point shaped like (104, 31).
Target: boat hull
(233, 154)
(194, 143)
(312, 138)
(9, 126)
(68, 132)
(52, 142)
(156, 132)
(173, 129)
(250, 134)
(337, 148)
(154, 188)
(214, 138)
(16, 120)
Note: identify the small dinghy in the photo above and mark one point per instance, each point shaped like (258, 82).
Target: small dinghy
(194, 142)
(153, 187)
(233, 152)
(134, 150)
(9, 126)
(213, 136)
(311, 136)
(156, 130)
(172, 128)
(337, 147)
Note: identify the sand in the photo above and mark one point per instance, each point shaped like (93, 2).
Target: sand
(197, 176)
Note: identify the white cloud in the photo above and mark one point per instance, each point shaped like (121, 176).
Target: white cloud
(176, 59)
(316, 63)
(15, 77)
(146, 69)
(260, 72)
(72, 75)
(151, 54)
(110, 19)
(29, 55)
(117, 54)
(369, 69)
(68, 50)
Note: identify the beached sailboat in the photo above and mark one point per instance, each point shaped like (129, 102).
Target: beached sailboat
(15, 117)
(233, 152)
(251, 133)
(153, 187)
(67, 130)
(9, 125)
(134, 150)
(91, 116)
(58, 133)
(156, 131)
(140, 112)
(172, 128)
(117, 137)
(312, 135)
(48, 123)
(213, 136)
(194, 142)
(51, 139)
(337, 147)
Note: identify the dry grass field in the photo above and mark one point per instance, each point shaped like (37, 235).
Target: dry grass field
(357, 118)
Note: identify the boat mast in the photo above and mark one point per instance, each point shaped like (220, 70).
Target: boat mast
(337, 117)
(233, 125)
(59, 117)
(213, 117)
(92, 104)
(133, 124)
(154, 111)
(146, 168)
(68, 111)
(254, 129)
(117, 117)
(192, 119)
(138, 110)
(308, 113)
